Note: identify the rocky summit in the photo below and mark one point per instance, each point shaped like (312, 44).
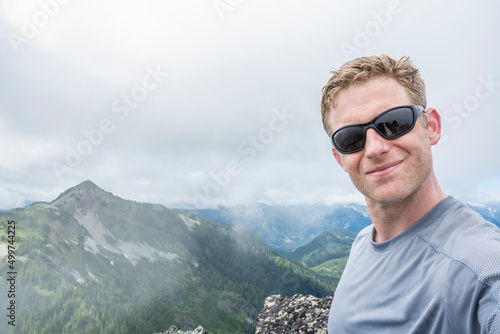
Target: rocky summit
(296, 314)
(177, 330)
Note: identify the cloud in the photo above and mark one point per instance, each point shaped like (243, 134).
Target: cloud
(227, 76)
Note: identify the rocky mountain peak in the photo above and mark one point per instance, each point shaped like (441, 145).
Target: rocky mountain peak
(86, 189)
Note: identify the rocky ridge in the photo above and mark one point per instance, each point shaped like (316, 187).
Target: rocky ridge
(298, 314)
(177, 330)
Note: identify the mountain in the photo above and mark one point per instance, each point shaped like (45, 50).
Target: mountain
(331, 244)
(285, 228)
(91, 262)
(326, 254)
(490, 212)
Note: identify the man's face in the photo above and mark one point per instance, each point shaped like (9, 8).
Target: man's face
(385, 171)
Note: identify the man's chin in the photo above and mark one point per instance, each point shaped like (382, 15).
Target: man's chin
(384, 198)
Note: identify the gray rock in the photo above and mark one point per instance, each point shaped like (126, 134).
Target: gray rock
(296, 314)
(177, 330)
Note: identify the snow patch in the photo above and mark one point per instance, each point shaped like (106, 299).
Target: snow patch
(45, 206)
(78, 277)
(361, 209)
(136, 252)
(189, 222)
(99, 235)
(492, 212)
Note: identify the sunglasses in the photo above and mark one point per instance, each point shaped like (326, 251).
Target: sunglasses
(390, 124)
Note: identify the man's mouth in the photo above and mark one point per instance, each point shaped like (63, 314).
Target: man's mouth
(384, 169)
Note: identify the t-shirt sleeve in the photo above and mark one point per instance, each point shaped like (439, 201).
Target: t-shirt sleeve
(471, 303)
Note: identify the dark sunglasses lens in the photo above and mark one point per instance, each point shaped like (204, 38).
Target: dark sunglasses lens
(395, 123)
(349, 139)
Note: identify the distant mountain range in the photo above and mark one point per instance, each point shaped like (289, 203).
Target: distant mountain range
(318, 236)
(91, 262)
(285, 228)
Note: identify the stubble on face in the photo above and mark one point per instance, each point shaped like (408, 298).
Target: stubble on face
(415, 170)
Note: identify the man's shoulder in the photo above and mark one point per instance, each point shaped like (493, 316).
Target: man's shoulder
(455, 217)
(463, 235)
(461, 220)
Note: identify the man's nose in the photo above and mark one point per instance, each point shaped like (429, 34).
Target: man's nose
(375, 144)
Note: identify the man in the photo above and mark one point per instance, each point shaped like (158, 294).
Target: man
(428, 264)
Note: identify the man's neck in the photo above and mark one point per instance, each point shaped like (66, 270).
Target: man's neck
(389, 220)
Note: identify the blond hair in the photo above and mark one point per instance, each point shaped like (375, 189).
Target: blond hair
(365, 68)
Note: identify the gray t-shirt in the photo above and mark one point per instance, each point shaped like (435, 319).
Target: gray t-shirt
(442, 275)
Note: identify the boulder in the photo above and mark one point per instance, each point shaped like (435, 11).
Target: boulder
(296, 314)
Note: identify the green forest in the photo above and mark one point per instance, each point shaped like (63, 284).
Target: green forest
(220, 281)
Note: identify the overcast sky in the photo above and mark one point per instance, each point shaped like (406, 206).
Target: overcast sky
(202, 103)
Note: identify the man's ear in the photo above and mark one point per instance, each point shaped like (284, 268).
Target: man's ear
(434, 125)
(338, 158)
